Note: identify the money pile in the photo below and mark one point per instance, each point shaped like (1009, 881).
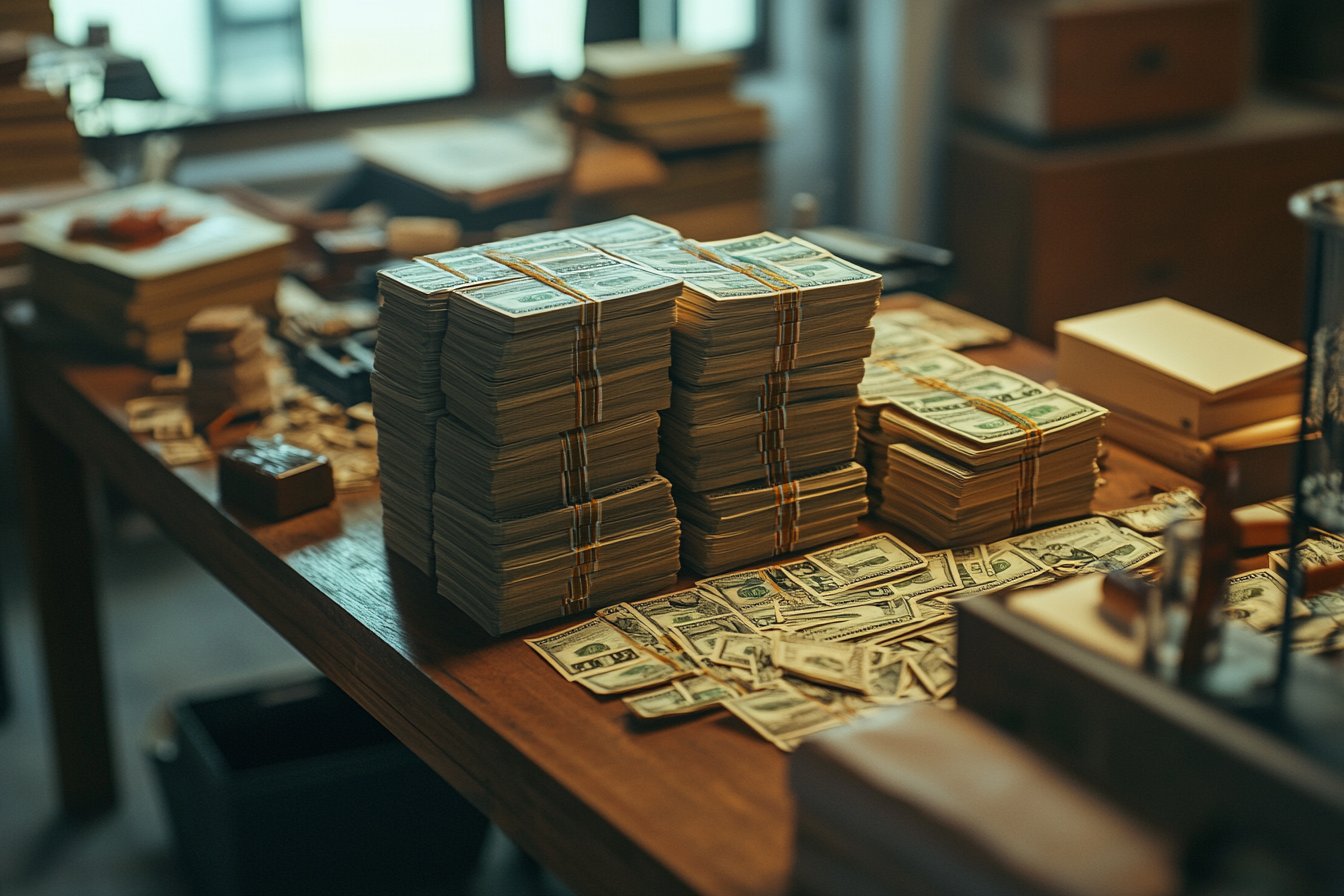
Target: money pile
(407, 395)
(979, 454)
(766, 357)
(808, 644)
(547, 502)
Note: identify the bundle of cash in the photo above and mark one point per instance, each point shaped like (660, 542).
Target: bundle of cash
(545, 496)
(511, 573)
(727, 528)
(407, 396)
(983, 453)
(766, 357)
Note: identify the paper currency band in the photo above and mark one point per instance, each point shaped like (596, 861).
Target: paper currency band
(441, 266)
(774, 391)
(585, 535)
(788, 508)
(587, 336)
(574, 481)
(788, 301)
(1028, 462)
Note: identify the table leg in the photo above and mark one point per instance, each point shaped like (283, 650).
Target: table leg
(63, 573)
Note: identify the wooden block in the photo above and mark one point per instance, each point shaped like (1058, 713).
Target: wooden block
(273, 480)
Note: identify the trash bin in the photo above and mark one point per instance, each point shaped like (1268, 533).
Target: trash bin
(294, 788)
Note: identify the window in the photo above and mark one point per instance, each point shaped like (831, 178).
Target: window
(227, 59)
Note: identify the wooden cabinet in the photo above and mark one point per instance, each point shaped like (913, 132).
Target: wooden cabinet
(1197, 213)
(1064, 67)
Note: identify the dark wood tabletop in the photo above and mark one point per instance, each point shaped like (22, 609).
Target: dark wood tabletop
(610, 804)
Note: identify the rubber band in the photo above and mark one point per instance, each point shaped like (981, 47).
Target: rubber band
(1028, 463)
(587, 336)
(788, 301)
(574, 481)
(787, 512)
(441, 266)
(585, 537)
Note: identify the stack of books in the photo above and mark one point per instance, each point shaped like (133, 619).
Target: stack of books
(1181, 382)
(132, 266)
(38, 140)
(766, 358)
(681, 105)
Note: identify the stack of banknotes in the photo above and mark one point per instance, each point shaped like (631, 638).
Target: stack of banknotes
(767, 354)
(546, 497)
(976, 454)
(407, 397)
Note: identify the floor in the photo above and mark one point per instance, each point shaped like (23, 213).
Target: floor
(170, 630)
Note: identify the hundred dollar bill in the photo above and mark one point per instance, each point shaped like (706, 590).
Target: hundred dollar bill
(840, 665)
(634, 626)
(1319, 634)
(736, 649)
(885, 680)
(893, 339)
(681, 606)
(764, 672)
(869, 561)
(1165, 509)
(700, 692)
(1011, 568)
(1089, 545)
(588, 647)
(814, 580)
(1257, 598)
(750, 592)
(1047, 409)
(973, 566)
(877, 618)
(782, 715)
(631, 677)
(791, 594)
(699, 636)
(936, 671)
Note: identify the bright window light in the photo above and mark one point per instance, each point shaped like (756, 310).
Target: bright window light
(705, 26)
(172, 38)
(545, 36)
(359, 53)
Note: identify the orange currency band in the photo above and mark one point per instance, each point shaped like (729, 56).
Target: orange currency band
(587, 335)
(585, 536)
(441, 266)
(787, 511)
(788, 301)
(574, 480)
(1028, 466)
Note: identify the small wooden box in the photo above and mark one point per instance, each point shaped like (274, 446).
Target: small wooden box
(273, 480)
(1198, 213)
(1048, 68)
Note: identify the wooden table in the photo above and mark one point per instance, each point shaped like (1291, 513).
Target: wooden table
(608, 803)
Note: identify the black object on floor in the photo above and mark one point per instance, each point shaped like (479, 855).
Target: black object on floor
(296, 789)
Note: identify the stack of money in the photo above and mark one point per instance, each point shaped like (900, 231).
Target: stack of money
(981, 454)
(547, 502)
(229, 365)
(899, 354)
(407, 396)
(766, 358)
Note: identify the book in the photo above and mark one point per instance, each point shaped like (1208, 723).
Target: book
(1179, 366)
(140, 299)
(626, 68)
